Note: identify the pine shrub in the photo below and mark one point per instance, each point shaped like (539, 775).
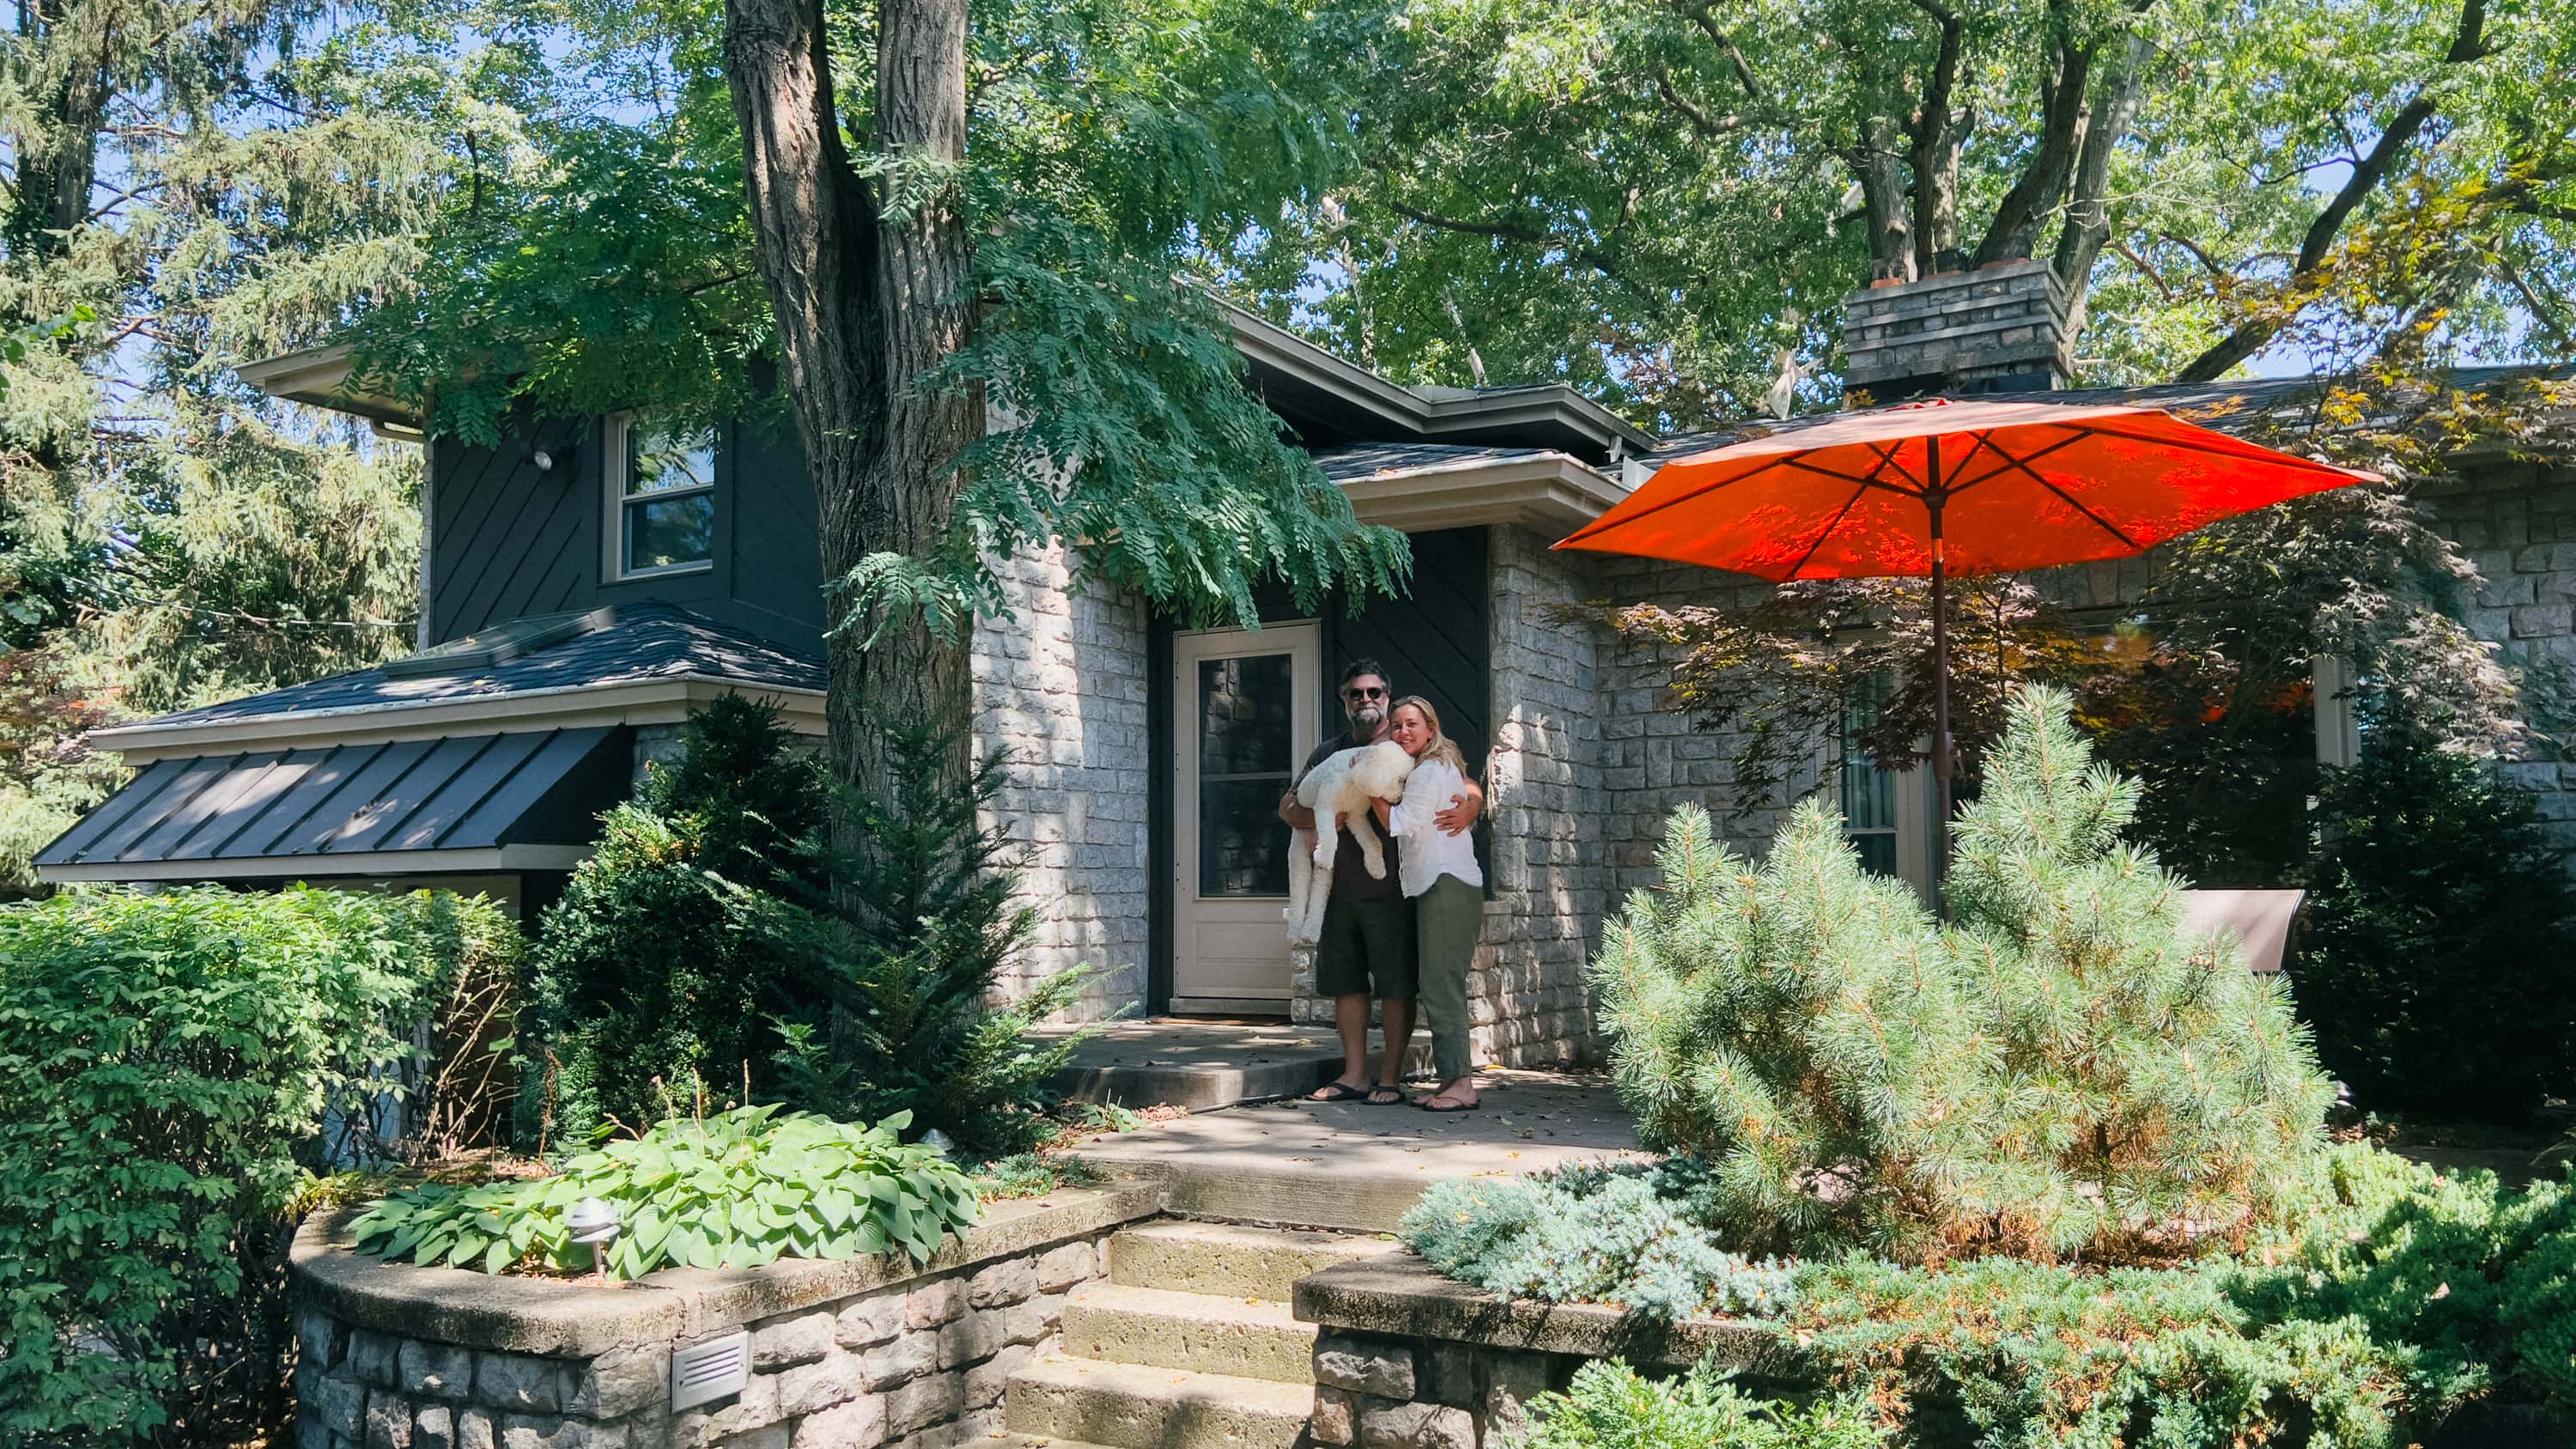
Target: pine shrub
(2061, 1071)
(1611, 1406)
(2437, 961)
(911, 970)
(715, 944)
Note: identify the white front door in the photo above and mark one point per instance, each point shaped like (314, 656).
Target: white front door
(1244, 710)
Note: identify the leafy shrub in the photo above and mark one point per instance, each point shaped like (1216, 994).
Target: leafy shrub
(457, 1091)
(1610, 1406)
(738, 1190)
(169, 1059)
(2438, 959)
(1590, 1235)
(2063, 1071)
(679, 939)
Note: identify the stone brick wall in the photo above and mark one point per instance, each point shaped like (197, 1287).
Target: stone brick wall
(1654, 758)
(1061, 684)
(2517, 522)
(1385, 1391)
(1544, 780)
(916, 1363)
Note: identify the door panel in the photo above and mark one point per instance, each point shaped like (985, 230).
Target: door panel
(1244, 705)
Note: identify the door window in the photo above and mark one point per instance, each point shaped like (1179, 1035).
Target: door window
(1246, 759)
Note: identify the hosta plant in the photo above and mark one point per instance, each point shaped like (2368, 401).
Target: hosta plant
(735, 1190)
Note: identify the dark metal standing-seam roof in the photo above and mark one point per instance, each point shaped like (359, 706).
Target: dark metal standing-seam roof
(463, 792)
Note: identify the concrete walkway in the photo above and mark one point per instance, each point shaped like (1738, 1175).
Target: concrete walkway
(1357, 1168)
(1198, 1064)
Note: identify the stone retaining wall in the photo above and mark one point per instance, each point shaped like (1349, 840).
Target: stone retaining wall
(844, 1355)
(1407, 1359)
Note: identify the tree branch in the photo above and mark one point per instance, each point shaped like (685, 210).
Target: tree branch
(2468, 43)
(1710, 127)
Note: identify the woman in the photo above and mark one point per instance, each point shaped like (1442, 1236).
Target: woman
(1437, 869)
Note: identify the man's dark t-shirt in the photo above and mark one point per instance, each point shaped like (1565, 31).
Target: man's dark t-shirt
(1351, 880)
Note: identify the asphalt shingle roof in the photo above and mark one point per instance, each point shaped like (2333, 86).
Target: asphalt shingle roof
(619, 644)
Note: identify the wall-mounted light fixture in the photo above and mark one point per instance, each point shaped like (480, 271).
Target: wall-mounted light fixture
(550, 457)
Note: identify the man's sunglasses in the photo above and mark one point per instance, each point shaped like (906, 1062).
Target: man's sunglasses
(1362, 692)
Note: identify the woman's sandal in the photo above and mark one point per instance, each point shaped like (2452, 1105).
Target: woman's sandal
(1385, 1094)
(1339, 1092)
(1425, 1105)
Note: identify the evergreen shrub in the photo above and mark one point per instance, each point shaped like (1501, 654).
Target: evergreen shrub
(168, 1061)
(1628, 1236)
(717, 943)
(739, 1189)
(2061, 1071)
(1610, 1406)
(2437, 960)
(678, 939)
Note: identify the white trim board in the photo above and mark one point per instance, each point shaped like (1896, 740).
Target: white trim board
(311, 867)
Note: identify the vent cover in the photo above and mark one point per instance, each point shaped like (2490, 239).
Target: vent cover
(704, 1372)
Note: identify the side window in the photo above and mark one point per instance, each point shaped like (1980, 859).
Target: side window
(661, 498)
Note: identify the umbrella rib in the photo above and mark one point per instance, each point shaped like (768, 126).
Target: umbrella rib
(2259, 454)
(1831, 524)
(2071, 500)
(1594, 527)
(2075, 435)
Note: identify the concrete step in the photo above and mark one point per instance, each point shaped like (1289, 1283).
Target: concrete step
(1250, 1338)
(1133, 1406)
(1228, 1261)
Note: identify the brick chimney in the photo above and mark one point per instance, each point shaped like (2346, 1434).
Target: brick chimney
(2000, 328)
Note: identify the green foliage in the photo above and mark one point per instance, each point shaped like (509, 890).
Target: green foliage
(1030, 1174)
(907, 974)
(2437, 961)
(1610, 1406)
(170, 1058)
(2061, 1071)
(1592, 1236)
(705, 947)
(672, 946)
(739, 1189)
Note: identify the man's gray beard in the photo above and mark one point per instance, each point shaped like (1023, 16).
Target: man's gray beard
(1366, 719)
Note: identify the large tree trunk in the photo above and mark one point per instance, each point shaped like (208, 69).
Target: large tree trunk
(864, 308)
(924, 277)
(2114, 109)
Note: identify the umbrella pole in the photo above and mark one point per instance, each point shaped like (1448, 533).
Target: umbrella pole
(1942, 760)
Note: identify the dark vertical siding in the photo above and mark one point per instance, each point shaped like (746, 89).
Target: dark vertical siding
(1437, 641)
(508, 540)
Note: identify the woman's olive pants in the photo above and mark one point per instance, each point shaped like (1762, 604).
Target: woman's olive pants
(1446, 921)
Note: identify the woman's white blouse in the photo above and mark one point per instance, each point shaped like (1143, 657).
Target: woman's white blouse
(1429, 851)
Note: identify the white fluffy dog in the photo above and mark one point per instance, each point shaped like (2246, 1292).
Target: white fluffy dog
(1342, 786)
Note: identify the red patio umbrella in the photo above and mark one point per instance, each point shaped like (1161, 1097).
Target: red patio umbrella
(1944, 488)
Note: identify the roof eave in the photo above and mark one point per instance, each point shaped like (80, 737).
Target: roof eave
(1551, 493)
(321, 377)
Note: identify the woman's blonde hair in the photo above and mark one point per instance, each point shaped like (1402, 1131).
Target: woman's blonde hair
(1440, 748)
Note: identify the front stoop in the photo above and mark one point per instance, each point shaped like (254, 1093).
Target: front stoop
(1189, 1345)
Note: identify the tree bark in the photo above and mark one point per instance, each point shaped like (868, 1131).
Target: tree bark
(864, 307)
(1880, 170)
(1935, 149)
(2088, 209)
(2014, 232)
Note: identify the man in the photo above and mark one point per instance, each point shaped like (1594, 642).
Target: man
(1367, 943)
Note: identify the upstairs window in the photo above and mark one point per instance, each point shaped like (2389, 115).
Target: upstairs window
(662, 503)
